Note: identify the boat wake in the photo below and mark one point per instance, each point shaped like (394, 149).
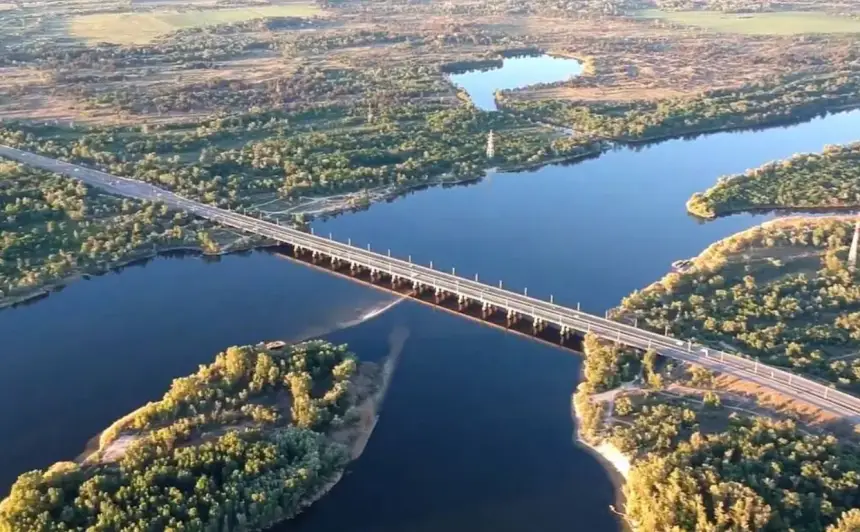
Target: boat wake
(345, 322)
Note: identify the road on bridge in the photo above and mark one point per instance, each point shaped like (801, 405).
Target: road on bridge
(786, 383)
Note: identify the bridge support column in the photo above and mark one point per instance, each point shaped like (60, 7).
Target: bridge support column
(395, 281)
(353, 268)
(512, 317)
(461, 303)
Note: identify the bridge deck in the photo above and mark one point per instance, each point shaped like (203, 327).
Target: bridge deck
(779, 380)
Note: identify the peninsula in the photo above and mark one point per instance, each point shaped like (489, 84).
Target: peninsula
(247, 441)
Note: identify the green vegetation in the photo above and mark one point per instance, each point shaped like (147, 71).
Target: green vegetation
(757, 475)
(240, 445)
(781, 292)
(830, 180)
(53, 227)
(763, 103)
(142, 28)
(773, 23)
(740, 474)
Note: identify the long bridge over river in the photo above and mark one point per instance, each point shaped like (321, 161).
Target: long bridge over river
(492, 304)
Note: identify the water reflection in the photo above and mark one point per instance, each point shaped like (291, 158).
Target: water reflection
(475, 433)
(516, 72)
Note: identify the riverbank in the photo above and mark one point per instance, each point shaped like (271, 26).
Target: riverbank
(45, 290)
(610, 455)
(291, 414)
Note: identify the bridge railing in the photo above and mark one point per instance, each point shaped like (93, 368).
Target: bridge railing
(476, 290)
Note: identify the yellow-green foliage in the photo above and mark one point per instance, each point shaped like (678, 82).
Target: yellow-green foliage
(799, 315)
(828, 180)
(234, 389)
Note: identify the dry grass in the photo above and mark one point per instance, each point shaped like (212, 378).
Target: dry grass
(780, 23)
(141, 28)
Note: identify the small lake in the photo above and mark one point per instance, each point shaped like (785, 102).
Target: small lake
(515, 73)
(475, 433)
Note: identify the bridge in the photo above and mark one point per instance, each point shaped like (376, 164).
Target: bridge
(492, 304)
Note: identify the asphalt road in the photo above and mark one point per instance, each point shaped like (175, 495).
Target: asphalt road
(786, 383)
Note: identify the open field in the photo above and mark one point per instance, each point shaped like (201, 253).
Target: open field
(783, 23)
(141, 28)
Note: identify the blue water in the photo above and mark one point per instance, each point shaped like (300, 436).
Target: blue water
(476, 433)
(515, 73)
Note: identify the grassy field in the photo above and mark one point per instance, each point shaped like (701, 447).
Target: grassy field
(785, 23)
(141, 28)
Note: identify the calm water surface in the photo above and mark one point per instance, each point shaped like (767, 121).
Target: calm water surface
(515, 73)
(475, 434)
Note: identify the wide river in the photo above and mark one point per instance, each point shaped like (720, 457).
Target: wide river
(476, 433)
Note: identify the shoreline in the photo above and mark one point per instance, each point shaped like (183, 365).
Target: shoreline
(337, 209)
(612, 458)
(780, 209)
(45, 290)
(390, 193)
(362, 434)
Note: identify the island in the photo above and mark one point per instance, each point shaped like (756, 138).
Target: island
(826, 181)
(245, 442)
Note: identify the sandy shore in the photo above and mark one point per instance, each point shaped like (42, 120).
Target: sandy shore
(608, 453)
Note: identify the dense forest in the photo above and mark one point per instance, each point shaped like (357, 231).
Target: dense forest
(53, 227)
(240, 445)
(227, 161)
(807, 181)
(781, 292)
(743, 474)
(793, 98)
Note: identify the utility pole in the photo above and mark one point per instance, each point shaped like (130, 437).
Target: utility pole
(852, 254)
(491, 145)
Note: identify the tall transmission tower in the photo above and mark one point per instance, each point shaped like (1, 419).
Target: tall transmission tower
(852, 254)
(491, 145)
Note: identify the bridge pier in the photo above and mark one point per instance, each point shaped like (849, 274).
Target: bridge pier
(513, 317)
(461, 303)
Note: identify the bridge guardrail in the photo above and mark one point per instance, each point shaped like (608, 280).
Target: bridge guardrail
(549, 312)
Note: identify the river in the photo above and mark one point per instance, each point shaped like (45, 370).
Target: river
(475, 432)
